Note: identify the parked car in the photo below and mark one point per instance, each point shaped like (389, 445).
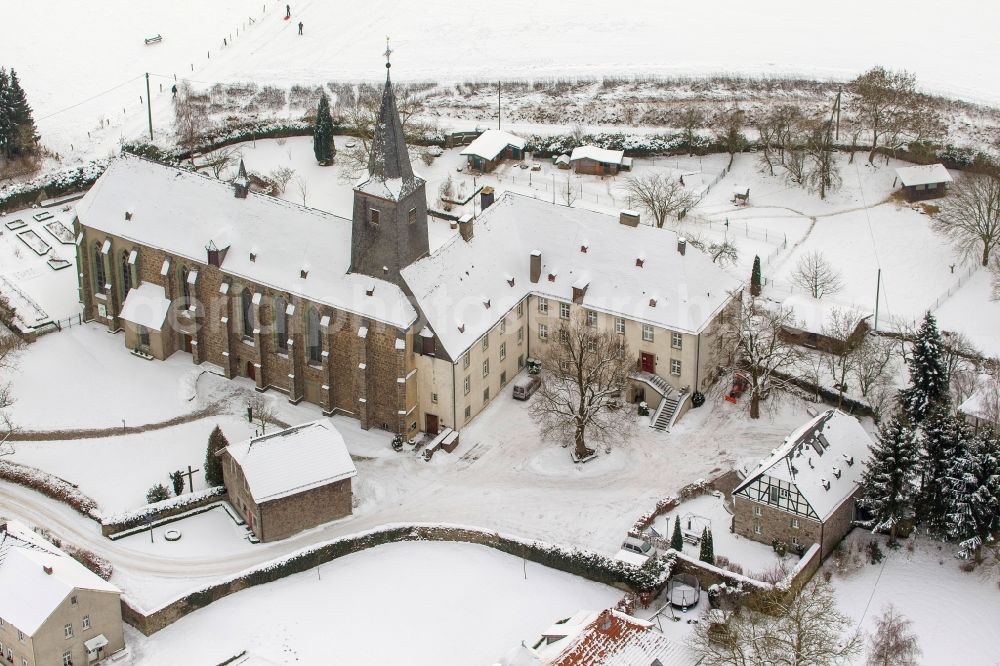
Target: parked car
(636, 551)
(525, 386)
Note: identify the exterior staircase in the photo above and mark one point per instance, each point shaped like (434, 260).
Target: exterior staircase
(663, 417)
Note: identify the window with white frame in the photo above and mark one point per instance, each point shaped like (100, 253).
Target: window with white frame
(68, 631)
(86, 622)
(520, 334)
(503, 378)
(563, 335)
(543, 332)
(503, 326)
(486, 368)
(757, 529)
(795, 541)
(468, 413)
(675, 367)
(465, 361)
(468, 385)
(647, 332)
(620, 325)
(520, 310)
(486, 394)
(67, 659)
(434, 398)
(543, 305)
(72, 600)
(591, 318)
(591, 345)
(757, 511)
(486, 342)
(676, 339)
(564, 310)
(564, 365)
(795, 523)
(503, 350)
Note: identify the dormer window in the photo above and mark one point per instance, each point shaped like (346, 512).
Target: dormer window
(486, 303)
(303, 273)
(370, 290)
(128, 215)
(583, 248)
(552, 277)
(639, 261)
(253, 257)
(510, 281)
(461, 327)
(652, 302)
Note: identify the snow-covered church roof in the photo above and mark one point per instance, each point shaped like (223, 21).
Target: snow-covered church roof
(293, 460)
(465, 287)
(824, 458)
(36, 577)
(181, 212)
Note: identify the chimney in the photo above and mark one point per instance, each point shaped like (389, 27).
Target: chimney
(580, 290)
(215, 255)
(629, 218)
(486, 197)
(682, 245)
(536, 265)
(465, 227)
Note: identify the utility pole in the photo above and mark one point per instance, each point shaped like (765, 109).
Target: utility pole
(498, 105)
(149, 108)
(878, 288)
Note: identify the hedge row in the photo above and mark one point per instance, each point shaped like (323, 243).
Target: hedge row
(50, 486)
(127, 520)
(63, 181)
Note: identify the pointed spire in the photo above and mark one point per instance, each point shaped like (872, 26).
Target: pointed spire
(389, 158)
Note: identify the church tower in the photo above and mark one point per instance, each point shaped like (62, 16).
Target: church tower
(390, 205)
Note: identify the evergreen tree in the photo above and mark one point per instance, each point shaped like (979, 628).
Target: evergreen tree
(974, 495)
(213, 463)
(177, 480)
(707, 547)
(887, 481)
(928, 373)
(22, 138)
(755, 278)
(157, 493)
(323, 147)
(677, 538)
(946, 439)
(5, 125)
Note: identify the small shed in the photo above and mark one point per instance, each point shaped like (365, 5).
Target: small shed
(562, 161)
(811, 319)
(493, 147)
(924, 182)
(599, 161)
(290, 480)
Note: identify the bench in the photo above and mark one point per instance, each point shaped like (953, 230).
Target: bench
(155, 39)
(692, 538)
(439, 442)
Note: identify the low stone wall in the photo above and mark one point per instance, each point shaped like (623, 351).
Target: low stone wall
(112, 526)
(587, 564)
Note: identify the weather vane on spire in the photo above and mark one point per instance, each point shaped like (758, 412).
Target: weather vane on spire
(388, 52)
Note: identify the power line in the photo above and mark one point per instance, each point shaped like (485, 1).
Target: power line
(89, 99)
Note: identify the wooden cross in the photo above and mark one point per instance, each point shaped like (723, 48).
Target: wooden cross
(188, 475)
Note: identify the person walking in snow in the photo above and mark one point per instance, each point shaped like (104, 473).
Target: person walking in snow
(288, 11)
(173, 89)
(300, 27)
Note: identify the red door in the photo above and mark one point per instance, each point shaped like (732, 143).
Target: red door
(648, 362)
(431, 424)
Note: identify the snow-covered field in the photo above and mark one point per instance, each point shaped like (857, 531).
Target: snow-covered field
(406, 603)
(953, 612)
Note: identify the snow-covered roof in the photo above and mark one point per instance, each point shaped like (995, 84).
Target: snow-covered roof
(984, 403)
(29, 593)
(923, 175)
(293, 460)
(597, 154)
(180, 212)
(146, 305)
(450, 284)
(824, 458)
(813, 314)
(491, 143)
(609, 638)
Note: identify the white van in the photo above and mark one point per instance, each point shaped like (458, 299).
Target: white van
(636, 551)
(525, 386)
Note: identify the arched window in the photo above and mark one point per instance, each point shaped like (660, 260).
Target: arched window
(126, 281)
(315, 346)
(280, 323)
(246, 313)
(99, 275)
(182, 277)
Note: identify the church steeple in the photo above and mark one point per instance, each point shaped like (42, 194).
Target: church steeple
(389, 229)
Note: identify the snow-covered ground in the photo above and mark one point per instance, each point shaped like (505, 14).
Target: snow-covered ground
(953, 612)
(135, 462)
(710, 511)
(406, 603)
(971, 311)
(216, 528)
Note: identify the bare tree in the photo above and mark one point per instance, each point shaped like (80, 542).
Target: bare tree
(805, 629)
(824, 173)
(691, 120)
(815, 274)
(281, 176)
(585, 372)
(893, 643)
(755, 344)
(10, 348)
(840, 325)
(569, 194)
(970, 215)
(191, 119)
(724, 252)
(884, 103)
(302, 185)
(777, 130)
(222, 159)
(729, 132)
(874, 368)
(446, 191)
(796, 165)
(660, 195)
(262, 411)
(961, 359)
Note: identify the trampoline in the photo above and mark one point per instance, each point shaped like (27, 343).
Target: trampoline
(683, 591)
